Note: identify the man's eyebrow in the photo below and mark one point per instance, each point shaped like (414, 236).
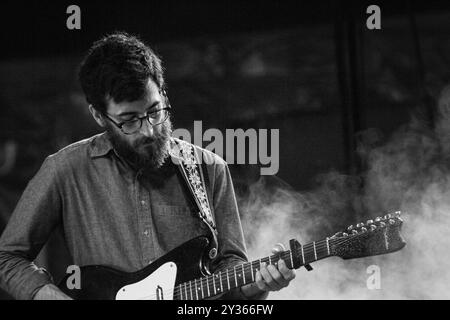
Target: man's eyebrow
(127, 113)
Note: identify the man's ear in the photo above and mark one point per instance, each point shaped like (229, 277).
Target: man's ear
(97, 116)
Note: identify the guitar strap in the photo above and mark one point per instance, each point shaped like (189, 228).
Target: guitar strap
(193, 175)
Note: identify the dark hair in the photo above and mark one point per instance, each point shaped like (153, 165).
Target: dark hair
(119, 66)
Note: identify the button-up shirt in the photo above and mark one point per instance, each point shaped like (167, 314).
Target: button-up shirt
(112, 215)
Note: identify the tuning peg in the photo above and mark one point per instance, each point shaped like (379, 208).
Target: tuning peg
(391, 221)
(382, 224)
(372, 227)
(359, 225)
(363, 229)
(345, 234)
(388, 216)
(354, 232)
(350, 228)
(377, 219)
(369, 221)
(398, 213)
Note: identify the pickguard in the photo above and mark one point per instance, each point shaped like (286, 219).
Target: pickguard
(157, 286)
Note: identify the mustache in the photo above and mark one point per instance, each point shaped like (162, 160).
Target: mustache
(151, 140)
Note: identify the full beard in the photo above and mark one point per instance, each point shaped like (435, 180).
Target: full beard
(145, 153)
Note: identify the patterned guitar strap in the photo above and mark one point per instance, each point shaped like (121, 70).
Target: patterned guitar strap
(192, 173)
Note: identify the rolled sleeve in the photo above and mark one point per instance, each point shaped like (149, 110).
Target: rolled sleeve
(34, 218)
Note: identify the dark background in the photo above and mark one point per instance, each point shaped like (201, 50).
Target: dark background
(310, 69)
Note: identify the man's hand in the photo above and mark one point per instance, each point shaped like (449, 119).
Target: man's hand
(50, 292)
(271, 277)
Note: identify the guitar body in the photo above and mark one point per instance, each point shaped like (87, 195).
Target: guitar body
(154, 282)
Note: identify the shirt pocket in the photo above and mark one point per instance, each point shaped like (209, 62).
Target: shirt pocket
(175, 225)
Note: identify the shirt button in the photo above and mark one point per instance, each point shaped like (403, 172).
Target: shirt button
(146, 233)
(143, 202)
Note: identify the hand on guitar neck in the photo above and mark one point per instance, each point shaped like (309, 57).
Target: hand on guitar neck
(270, 277)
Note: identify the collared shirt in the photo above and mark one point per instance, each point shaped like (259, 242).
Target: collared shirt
(112, 215)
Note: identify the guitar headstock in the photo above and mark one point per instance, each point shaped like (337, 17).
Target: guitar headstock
(374, 237)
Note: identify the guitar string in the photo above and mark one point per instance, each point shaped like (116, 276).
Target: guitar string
(308, 249)
(179, 290)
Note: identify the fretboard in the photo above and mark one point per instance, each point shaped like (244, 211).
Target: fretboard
(240, 275)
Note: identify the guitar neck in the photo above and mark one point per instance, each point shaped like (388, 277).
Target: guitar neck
(240, 275)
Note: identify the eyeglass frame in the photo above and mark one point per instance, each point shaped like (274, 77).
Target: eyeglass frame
(141, 119)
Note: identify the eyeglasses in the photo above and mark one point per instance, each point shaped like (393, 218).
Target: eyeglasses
(132, 126)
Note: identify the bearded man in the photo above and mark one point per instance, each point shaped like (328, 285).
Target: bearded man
(118, 196)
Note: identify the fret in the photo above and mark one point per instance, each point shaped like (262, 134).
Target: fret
(235, 276)
(214, 284)
(315, 253)
(181, 292)
(201, 286)
(207, 287)
(216, 277)
(328, 247)
(292, 259)
(196, 290)
(185, 291)
(251, 270)
(228, 281)
(303, 255)
(270, 261)
(220, 277)
(190, 289)
(243, 275)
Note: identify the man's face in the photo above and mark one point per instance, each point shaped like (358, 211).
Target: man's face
(149, 146)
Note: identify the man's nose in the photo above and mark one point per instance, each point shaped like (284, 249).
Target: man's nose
(147, 129)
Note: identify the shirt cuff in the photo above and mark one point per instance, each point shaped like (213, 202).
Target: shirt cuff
(30, 285)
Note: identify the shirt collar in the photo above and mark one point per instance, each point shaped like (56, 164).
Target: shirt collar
(100, 145)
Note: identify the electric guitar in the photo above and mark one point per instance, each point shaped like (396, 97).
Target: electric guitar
(182, 274)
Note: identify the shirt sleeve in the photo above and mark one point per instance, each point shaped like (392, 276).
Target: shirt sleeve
(232, 250)
(34, 218)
